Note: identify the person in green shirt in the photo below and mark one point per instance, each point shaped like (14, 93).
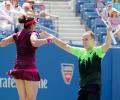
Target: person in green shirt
(89, 63)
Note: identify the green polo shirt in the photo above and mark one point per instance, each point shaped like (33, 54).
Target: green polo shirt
(89, 64)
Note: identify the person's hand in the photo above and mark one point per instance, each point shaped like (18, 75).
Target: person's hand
(50, 39)
(110, 28)
(117, 31)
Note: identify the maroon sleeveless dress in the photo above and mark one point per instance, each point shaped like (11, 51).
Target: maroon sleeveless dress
(25, 66)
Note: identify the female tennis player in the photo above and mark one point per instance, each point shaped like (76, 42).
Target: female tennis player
(25, 71)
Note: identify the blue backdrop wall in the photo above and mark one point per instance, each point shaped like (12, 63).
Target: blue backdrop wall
(52, 86)
(111, 75)
(49, 60)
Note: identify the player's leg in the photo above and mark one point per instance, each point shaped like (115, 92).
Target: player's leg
(20, 85)
(31, 89)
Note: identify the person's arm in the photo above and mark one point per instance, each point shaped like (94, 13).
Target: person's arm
(36, 42)
(9, 19)
(59, 42)
(76, 51)
(62, 44)
(104, 14)
(108, 41)
(6, 17)
(8, 40)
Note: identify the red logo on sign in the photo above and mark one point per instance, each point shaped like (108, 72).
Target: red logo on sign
(67, 72)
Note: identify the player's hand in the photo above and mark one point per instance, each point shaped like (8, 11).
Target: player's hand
(109, 28)
(50, 39)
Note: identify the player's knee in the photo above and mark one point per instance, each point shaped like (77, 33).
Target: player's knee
(31, 97)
